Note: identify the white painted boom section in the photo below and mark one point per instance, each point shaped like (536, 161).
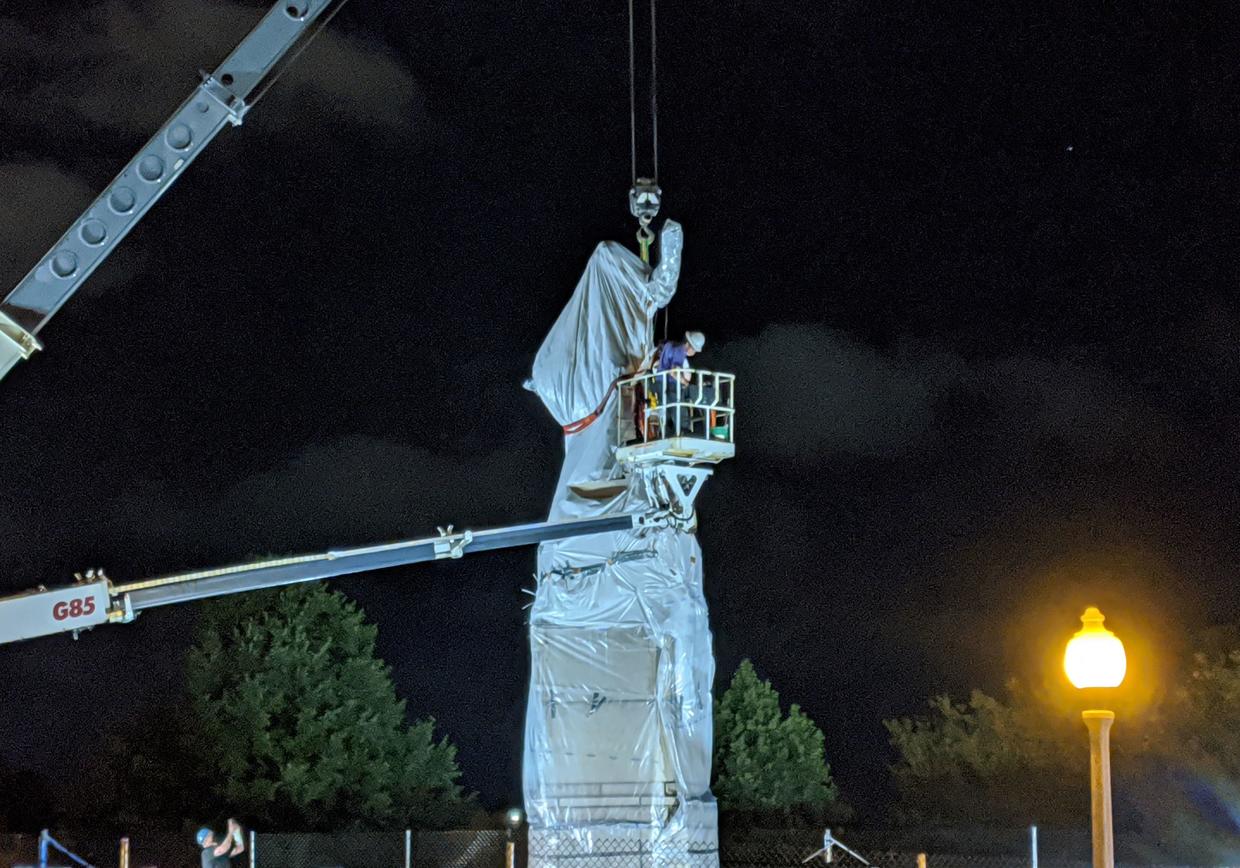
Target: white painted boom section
(90, 603)
(63, 610)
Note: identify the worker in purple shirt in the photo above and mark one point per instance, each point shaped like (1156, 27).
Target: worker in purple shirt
(674, 356)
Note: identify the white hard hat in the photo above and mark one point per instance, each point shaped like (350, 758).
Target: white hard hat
(697, 340)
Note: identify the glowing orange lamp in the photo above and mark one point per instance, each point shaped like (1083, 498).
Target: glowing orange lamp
(1095, 656)
(1095, 659)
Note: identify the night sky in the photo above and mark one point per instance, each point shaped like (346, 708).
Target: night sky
(974, 265)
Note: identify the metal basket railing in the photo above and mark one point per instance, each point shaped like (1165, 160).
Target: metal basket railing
(680, 403)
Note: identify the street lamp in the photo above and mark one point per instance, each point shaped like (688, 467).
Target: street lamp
(1095, 658)
(513, 823)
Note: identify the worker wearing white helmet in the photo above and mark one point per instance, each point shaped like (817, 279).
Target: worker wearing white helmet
(674, 356)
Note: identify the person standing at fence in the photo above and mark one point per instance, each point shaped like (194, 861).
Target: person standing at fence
(218, 854)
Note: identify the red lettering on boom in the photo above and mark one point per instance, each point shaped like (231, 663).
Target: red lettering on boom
(75, 608)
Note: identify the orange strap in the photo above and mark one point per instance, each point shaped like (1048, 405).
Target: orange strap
(585, 422)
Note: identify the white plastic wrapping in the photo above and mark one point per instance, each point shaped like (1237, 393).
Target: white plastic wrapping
(618, 726)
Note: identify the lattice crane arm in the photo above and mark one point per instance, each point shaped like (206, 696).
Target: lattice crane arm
(222, 98)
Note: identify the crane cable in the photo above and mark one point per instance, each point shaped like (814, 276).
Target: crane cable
(654, 96)
(645, 194)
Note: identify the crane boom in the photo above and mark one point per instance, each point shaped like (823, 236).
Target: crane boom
(95, 600)
(222, 97)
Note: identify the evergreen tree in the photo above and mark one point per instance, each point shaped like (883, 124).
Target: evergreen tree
(300, 723)
(766, 762)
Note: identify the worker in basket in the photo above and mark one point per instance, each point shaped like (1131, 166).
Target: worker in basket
(672, 359)
(218, 854)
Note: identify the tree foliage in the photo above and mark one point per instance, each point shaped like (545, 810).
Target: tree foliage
(150, 773)
(988, 760)
(26, 801)
(1189, 781)
(1205, 715)
(299, 722)
(766, 761)
(1014, 761)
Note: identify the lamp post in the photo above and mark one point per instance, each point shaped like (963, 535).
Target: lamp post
(513, 825)
(1095, 659)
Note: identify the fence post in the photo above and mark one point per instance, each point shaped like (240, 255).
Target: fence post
(124, 855)
(253, 849)
(408, 848)
(43, 849)
(921, 860)
(1033, 846)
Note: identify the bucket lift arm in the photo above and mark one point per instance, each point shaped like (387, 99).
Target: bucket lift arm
(96, 600)
(223, 97)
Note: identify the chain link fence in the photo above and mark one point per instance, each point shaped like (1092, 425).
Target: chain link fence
(789, 849)
(451, 849)
(316, 850)
(619, 852)
(485, 849)
(969, 847)
(102, 850)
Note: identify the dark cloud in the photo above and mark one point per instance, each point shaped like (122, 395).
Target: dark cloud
(35, 188)
(354, 491)
(58, 197)
(120, 71)
(124, 66)
(809, 391)
(1063, 400)
(357, 486)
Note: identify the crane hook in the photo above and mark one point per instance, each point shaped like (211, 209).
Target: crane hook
(644, 201)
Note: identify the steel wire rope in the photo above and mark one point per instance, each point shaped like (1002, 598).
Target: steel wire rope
(654, 117)
(654, 94)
